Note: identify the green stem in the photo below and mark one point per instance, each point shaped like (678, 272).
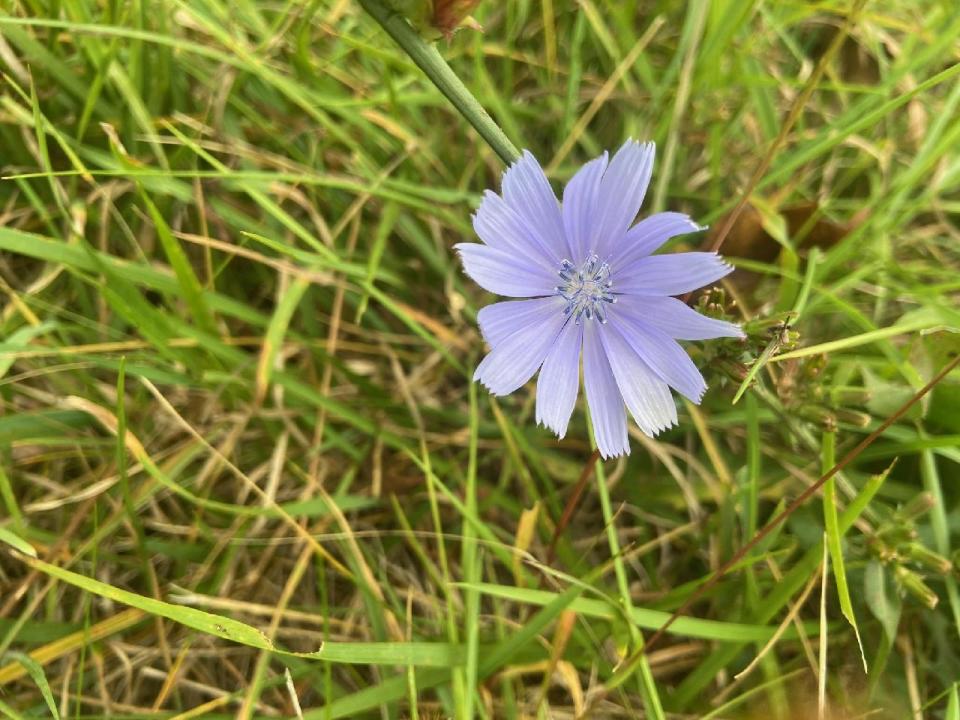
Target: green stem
(427, 58)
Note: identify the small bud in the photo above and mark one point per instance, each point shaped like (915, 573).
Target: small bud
(928, 559)
(897, 534)
(820, 415)
(852, 417)
(914, 585)
(736, 371)
(917, 506)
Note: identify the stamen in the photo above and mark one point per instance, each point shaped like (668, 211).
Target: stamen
(587, 289)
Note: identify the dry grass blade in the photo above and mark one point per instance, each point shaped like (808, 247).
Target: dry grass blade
(791, 616)
(73, 642)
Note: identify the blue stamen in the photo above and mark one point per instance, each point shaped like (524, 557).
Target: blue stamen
(587, 290)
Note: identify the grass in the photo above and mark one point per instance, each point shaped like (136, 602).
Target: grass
(244, 472)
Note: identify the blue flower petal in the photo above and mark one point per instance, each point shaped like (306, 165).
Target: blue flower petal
(501, 227)
(527, 190)
(501, 320)
(672, 274)
(621, 194)
(607, 412)
(662, 354)
(581, 199)
(676, 318)
(559, 380)
(648, 235)
(517, 356)
(504, 273)
(646, 395)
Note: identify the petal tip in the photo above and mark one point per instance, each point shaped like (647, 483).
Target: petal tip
(610, 453)
(559, 431)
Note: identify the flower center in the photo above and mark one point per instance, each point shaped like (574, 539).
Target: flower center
(586, 289)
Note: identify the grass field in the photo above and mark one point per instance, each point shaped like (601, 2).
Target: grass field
(244, 471)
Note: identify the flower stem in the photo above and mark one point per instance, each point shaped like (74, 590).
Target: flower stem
(427, 58)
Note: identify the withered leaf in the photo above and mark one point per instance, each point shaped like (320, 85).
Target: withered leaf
(806, 227)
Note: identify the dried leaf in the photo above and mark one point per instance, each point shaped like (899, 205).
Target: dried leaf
(803, 225)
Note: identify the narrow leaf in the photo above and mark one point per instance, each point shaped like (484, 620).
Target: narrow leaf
(835, 539)
(884, 605)
(35, 671)
(189, 283)
(17, 542)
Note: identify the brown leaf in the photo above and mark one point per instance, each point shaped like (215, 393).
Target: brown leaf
(747, 238)
(806, 227)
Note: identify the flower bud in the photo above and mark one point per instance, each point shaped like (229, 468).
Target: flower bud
(852, 417)
(820, 415)
(736, 371)
(928, 559)
(914, 585)
(917, 506)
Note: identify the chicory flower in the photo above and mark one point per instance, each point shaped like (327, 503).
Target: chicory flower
(593, 289)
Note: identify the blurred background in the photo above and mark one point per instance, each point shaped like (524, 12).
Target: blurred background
(236, 416)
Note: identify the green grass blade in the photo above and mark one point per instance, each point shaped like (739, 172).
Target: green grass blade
(15, 541)
(190, 285)
(35, 670)
(835, 538)
(419, 654)
(272, 341)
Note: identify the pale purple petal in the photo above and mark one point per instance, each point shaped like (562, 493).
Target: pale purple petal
(501, 320)
(662, 354)
(648, 235)
(559, 380)
(504, 273)
(517, 357)
(645, 393)
(581, 199)
(607, 412)
(503, 228)
(621, 193)
(672, 274)
(676, 318)
(527, 190)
